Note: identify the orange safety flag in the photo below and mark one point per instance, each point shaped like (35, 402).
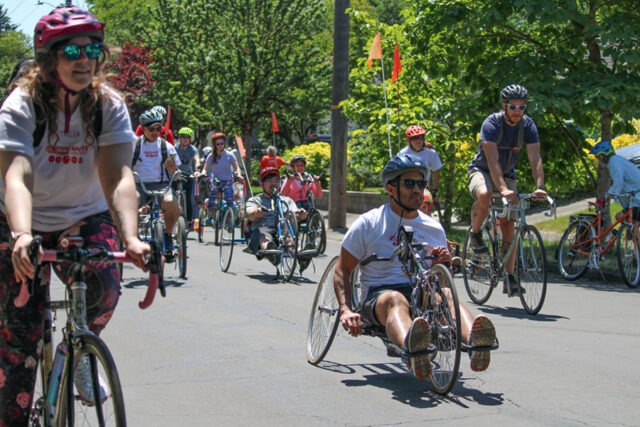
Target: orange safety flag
(397, 65)
(168, 124)
(376, 50)
(243, 153)
(274, 123)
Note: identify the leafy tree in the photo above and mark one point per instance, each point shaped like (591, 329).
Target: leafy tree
(5, 22)
(125, 19)
(14, 46)
(129, 72)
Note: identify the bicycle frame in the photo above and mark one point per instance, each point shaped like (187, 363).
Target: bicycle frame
(155, 215)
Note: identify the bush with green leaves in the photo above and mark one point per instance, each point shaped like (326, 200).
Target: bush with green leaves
(318, 156)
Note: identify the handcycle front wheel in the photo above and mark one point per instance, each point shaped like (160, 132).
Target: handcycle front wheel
(107, 408)
(324, 318)
(531, 269)
(477, 269)
(629, 255)
(227, 231)
(289, 245)
(445, 327)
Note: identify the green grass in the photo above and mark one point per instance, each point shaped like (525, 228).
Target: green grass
(560, 224)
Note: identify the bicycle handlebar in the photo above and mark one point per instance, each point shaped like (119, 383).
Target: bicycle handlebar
(85, 256)
(506, 205)
(157, 192)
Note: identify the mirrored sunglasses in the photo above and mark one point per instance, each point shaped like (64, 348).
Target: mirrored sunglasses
(154, 128)
(73, 51)
(410, 183)
(517, 107)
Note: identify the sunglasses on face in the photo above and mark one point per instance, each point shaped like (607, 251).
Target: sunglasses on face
(517, 107)
(410, 183)
(73, 51)
(154, 128)
(183, 136)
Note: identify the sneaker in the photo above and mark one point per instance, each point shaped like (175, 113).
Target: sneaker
(416, 346)
(273, 258)
(83, 383)
(511, 286)
(483, 334)
(476, 243)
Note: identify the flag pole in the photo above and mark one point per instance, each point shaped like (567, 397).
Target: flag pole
(386, 108)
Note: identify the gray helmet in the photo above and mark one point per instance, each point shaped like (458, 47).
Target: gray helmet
(206, 151)
(160, 109)
(514, 92)
(403, 163)
(150, 117)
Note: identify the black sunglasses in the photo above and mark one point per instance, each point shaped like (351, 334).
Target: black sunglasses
(410, 183)
(517, 107)
(73, 51)
(154, 128)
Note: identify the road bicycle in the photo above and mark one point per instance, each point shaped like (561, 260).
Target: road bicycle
(56, 401)
(434, 297)
(586, 241)
(214, 216)
(483, 271)
(152, 226)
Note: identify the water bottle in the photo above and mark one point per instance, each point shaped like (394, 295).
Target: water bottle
(54, 377)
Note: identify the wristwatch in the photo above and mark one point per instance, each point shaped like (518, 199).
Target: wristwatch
(541, 187)
(15, 235)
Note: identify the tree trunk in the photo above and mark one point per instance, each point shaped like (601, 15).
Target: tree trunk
(338, 183)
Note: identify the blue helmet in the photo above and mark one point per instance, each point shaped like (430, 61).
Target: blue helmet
(150, 117)
(403, 163)
(602, 147)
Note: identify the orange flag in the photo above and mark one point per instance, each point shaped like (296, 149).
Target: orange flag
(274, 123)
(397, 65)
(376, 50)
(243, 153)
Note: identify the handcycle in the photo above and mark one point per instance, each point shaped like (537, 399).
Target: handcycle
(152, 226)
(434, 297)
(55, 402)
(585, 243)
(220, 207)
(482, 272)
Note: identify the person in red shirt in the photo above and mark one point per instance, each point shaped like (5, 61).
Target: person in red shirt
(272, 160)
(165, 133)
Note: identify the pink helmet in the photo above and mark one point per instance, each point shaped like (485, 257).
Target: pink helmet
(64, 23)
(413, 131)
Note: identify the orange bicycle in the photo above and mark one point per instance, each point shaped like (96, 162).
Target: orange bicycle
(585, 242)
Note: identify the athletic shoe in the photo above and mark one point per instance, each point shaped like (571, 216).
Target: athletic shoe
(416, 346)
(511, 283)
(483, 334)
(476, 243)
(83, 383)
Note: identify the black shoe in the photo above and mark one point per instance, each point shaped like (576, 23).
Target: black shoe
(476, 243)
(169, 257)
(511, 281)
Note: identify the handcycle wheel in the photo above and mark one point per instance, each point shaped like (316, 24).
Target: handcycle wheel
(477, 269)
(181, 240)
(289, 246)
(446, 332)
(628, 255)
(531, 269)
(325, 314)
(108, 409)
(227, 231)
(315, 230)
(575, 249)
(201, 224)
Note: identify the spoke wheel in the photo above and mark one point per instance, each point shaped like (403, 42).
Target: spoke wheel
(316, 230)
(575, 249)
(325, 316)
(181, 241)
(628, 255)
(109, 410)
(215, 223)
(227, 231)
(444, 310)
(289, 247)
(477, 269)
(532, 269)
(201, 224)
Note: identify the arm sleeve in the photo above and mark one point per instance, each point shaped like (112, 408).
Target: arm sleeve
(316, 187)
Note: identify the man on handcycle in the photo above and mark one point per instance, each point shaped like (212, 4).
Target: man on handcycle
(261, 212)
(385, 287)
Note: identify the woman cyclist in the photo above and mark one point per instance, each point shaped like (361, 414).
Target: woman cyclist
(222, 165)
(65, 182)
(296, 186)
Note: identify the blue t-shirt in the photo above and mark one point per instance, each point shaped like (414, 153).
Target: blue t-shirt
(186, 157)
(508, 149)
(223, 167)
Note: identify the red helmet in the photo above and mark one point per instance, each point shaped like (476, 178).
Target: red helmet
(267, 172)
(64, 23)
(218, 135)
(413, 131)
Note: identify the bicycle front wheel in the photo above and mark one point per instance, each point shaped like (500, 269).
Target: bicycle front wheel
(106, 406)
(575, 249)
(181, 241)
(628, 255)
(477, 270)
(532, 269)
(227, 231)
(325, 314)
(316, 232)
(289, 246)
(201, 224)
(445, 328)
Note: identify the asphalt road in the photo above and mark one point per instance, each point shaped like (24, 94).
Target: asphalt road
(229, 350)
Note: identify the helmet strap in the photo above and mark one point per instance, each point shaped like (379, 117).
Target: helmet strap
(67, 104)
(404, 207)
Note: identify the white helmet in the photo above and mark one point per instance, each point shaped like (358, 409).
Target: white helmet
(206, 151)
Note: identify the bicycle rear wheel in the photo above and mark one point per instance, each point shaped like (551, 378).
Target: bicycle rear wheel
(108, 410)
(628, 255)
(446, 332)
(325, 313)
(181, 241)
(532, 269)
(575, 249)
(227, 231)
(316, 232)
(477, 269)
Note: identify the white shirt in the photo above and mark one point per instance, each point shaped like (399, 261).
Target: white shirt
(626, 179)
(428, 155)
(149, 165)
(66, 185)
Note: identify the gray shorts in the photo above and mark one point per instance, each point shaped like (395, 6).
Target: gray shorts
(368, 312)
(478, 178)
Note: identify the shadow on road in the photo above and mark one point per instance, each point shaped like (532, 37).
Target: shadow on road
(518, 313)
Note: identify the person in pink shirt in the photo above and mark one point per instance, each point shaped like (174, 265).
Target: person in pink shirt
(297, 185)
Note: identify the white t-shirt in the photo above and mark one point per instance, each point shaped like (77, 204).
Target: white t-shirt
(149, 164)
(66, 185)
(428, 155)
(375, 232)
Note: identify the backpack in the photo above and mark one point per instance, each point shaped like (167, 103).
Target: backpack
(163, 155)
(498, 117)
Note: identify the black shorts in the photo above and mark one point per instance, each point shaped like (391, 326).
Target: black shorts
(368, 311)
